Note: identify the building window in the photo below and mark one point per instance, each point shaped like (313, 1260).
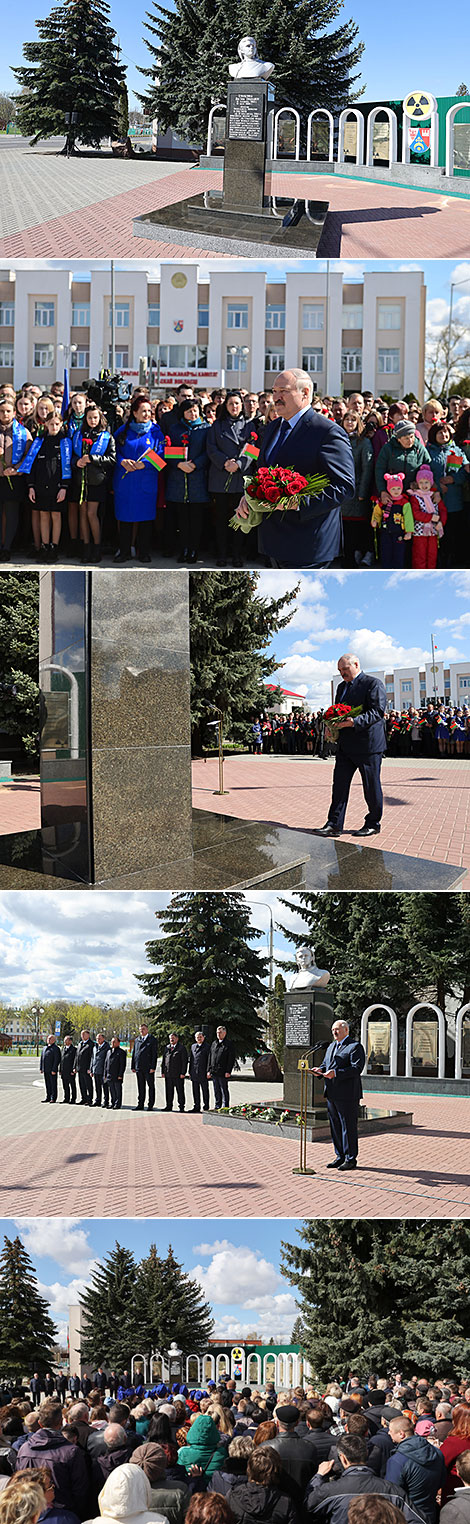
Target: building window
(388, 317)
(351, 360)
(312, 359)
(7, 314)
(154, 315)
(80, 314)
(352, 317)
(389, 362)
(275, 316)
(237, 315)
(407, 687)
(203, 315)
(121, 314)
(122, 358)
(43, 356)
(274, 359)
(237, 362)
(44, 314)
(312, 317)
(80, 359)
(202, 356)
(390, 687)
(6, 355)
(464, 682)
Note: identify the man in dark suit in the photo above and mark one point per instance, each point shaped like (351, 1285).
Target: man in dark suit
(100, 1051)
(143, 1065)
(174, 1066)
(361, 744)
(50, 1067)
(198, 1066)
(310, 443)
(342, 1068)
(69, 1081)
(83, 1067)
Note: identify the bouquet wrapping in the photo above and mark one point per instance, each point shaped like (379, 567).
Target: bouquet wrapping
(275, 488)
(334, 717)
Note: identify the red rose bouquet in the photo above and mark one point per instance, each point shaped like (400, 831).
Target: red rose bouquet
(334, 717)
(275, 488)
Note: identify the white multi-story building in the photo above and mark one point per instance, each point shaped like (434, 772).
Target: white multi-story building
(237, 327)
(411, 687)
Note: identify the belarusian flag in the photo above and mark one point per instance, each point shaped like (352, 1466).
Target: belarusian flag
(176, 452)
(251, 450)
(154, 459)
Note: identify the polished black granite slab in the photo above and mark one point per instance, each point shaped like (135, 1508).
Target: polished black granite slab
(371, 1119)
(208, 219)
(230, 853)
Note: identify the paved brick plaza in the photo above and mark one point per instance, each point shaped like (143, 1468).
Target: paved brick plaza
(137, 1165)
(20, 805)
(427, 803)
(102, 195)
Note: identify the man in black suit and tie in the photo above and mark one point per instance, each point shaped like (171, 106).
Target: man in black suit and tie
(143, 1065)
(361, 744)
(342, 1068)
(310, 443)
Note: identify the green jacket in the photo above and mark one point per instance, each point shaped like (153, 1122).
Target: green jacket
(394, 458)
(204, 1448)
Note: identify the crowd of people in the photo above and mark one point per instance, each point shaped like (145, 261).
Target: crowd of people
(99, 1067)
(431, 731)
(374, 1451)
(167, 475)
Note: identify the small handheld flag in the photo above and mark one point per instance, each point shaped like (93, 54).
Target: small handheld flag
(251, 451)
(176, 452)
(153, 459)
(66, 394)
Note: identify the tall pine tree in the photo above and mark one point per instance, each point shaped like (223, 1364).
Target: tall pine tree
(169, 1307)
(72, 68)
(108, 1336)
(27, 1333)
(207, 972)
(231, 626)
(191, 48)
(377, 1295)
(19, 658)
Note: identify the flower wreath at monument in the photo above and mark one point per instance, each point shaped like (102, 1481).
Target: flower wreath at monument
(275, 488)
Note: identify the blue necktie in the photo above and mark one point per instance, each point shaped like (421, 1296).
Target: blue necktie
(277, 441)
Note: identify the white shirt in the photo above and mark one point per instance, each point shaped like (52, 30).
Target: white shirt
(292, 421)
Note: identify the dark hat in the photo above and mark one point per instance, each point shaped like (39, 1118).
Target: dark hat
(288, 1414)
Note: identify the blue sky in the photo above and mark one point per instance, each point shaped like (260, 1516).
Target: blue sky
(83, 946)
(240, 1280)
(385, 618)
(405, 49)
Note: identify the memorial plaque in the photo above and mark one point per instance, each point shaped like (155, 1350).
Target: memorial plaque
(466, 1048)
(55, 734)
(298, 1024)
(245, 116)
(425, 1044)
(378, 1045)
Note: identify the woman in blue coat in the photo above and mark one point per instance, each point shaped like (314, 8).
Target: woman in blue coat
(186, 480)
(136, 480)
(225, 441)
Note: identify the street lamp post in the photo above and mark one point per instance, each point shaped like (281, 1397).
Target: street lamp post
(67, 349)
(241, 351)
(267, 906)
(37, 1011)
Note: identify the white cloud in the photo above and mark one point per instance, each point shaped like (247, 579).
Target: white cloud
(61, 1297)
(233, 1272)
(217, 1247)
(63, 1239)
(270, 1317)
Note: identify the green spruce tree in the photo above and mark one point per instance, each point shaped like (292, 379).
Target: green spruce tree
(72, 69)
(19, 658)
(27, 1333)
(276, 1018)
(377, 1295)
(108, 1312)
(231, 627)
(169, 1307)
(362, 940)
(207, 973)
(192, 46)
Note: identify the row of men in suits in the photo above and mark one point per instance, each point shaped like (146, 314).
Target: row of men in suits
(204, 1061)
(63, 1385)
(99, 1067)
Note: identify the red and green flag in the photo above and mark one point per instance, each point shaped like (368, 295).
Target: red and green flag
(154, 459)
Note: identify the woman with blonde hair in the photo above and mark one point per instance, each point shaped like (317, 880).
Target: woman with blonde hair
(21, 1505)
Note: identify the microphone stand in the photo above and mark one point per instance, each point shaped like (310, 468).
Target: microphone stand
(303, 1066)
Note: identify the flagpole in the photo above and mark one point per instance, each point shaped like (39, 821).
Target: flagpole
(113, 336)
(433, 668)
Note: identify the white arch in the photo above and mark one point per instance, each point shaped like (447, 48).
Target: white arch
(250, 1359)
(282, 1379)
(270, 134)
(351, 111)
(142, 1359)
(219, 107)
(459, 1021)
(211, 1359)
(223, 1365)
(393, 134)
(189, 1378)
(450, 119)
(425, 1005)
(272, 1360)
(408, 121)
(289, 111)
(320, 111)
(379, 1006)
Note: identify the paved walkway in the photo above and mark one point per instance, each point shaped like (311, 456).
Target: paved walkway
(140, 1165)
(101, 195)
(427, 803)
(20, 806)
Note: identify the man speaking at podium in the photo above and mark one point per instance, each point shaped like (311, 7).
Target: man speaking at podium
(342, 1068)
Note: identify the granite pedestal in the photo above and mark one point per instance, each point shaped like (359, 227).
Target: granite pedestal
(240, 213)
(308, 1019)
